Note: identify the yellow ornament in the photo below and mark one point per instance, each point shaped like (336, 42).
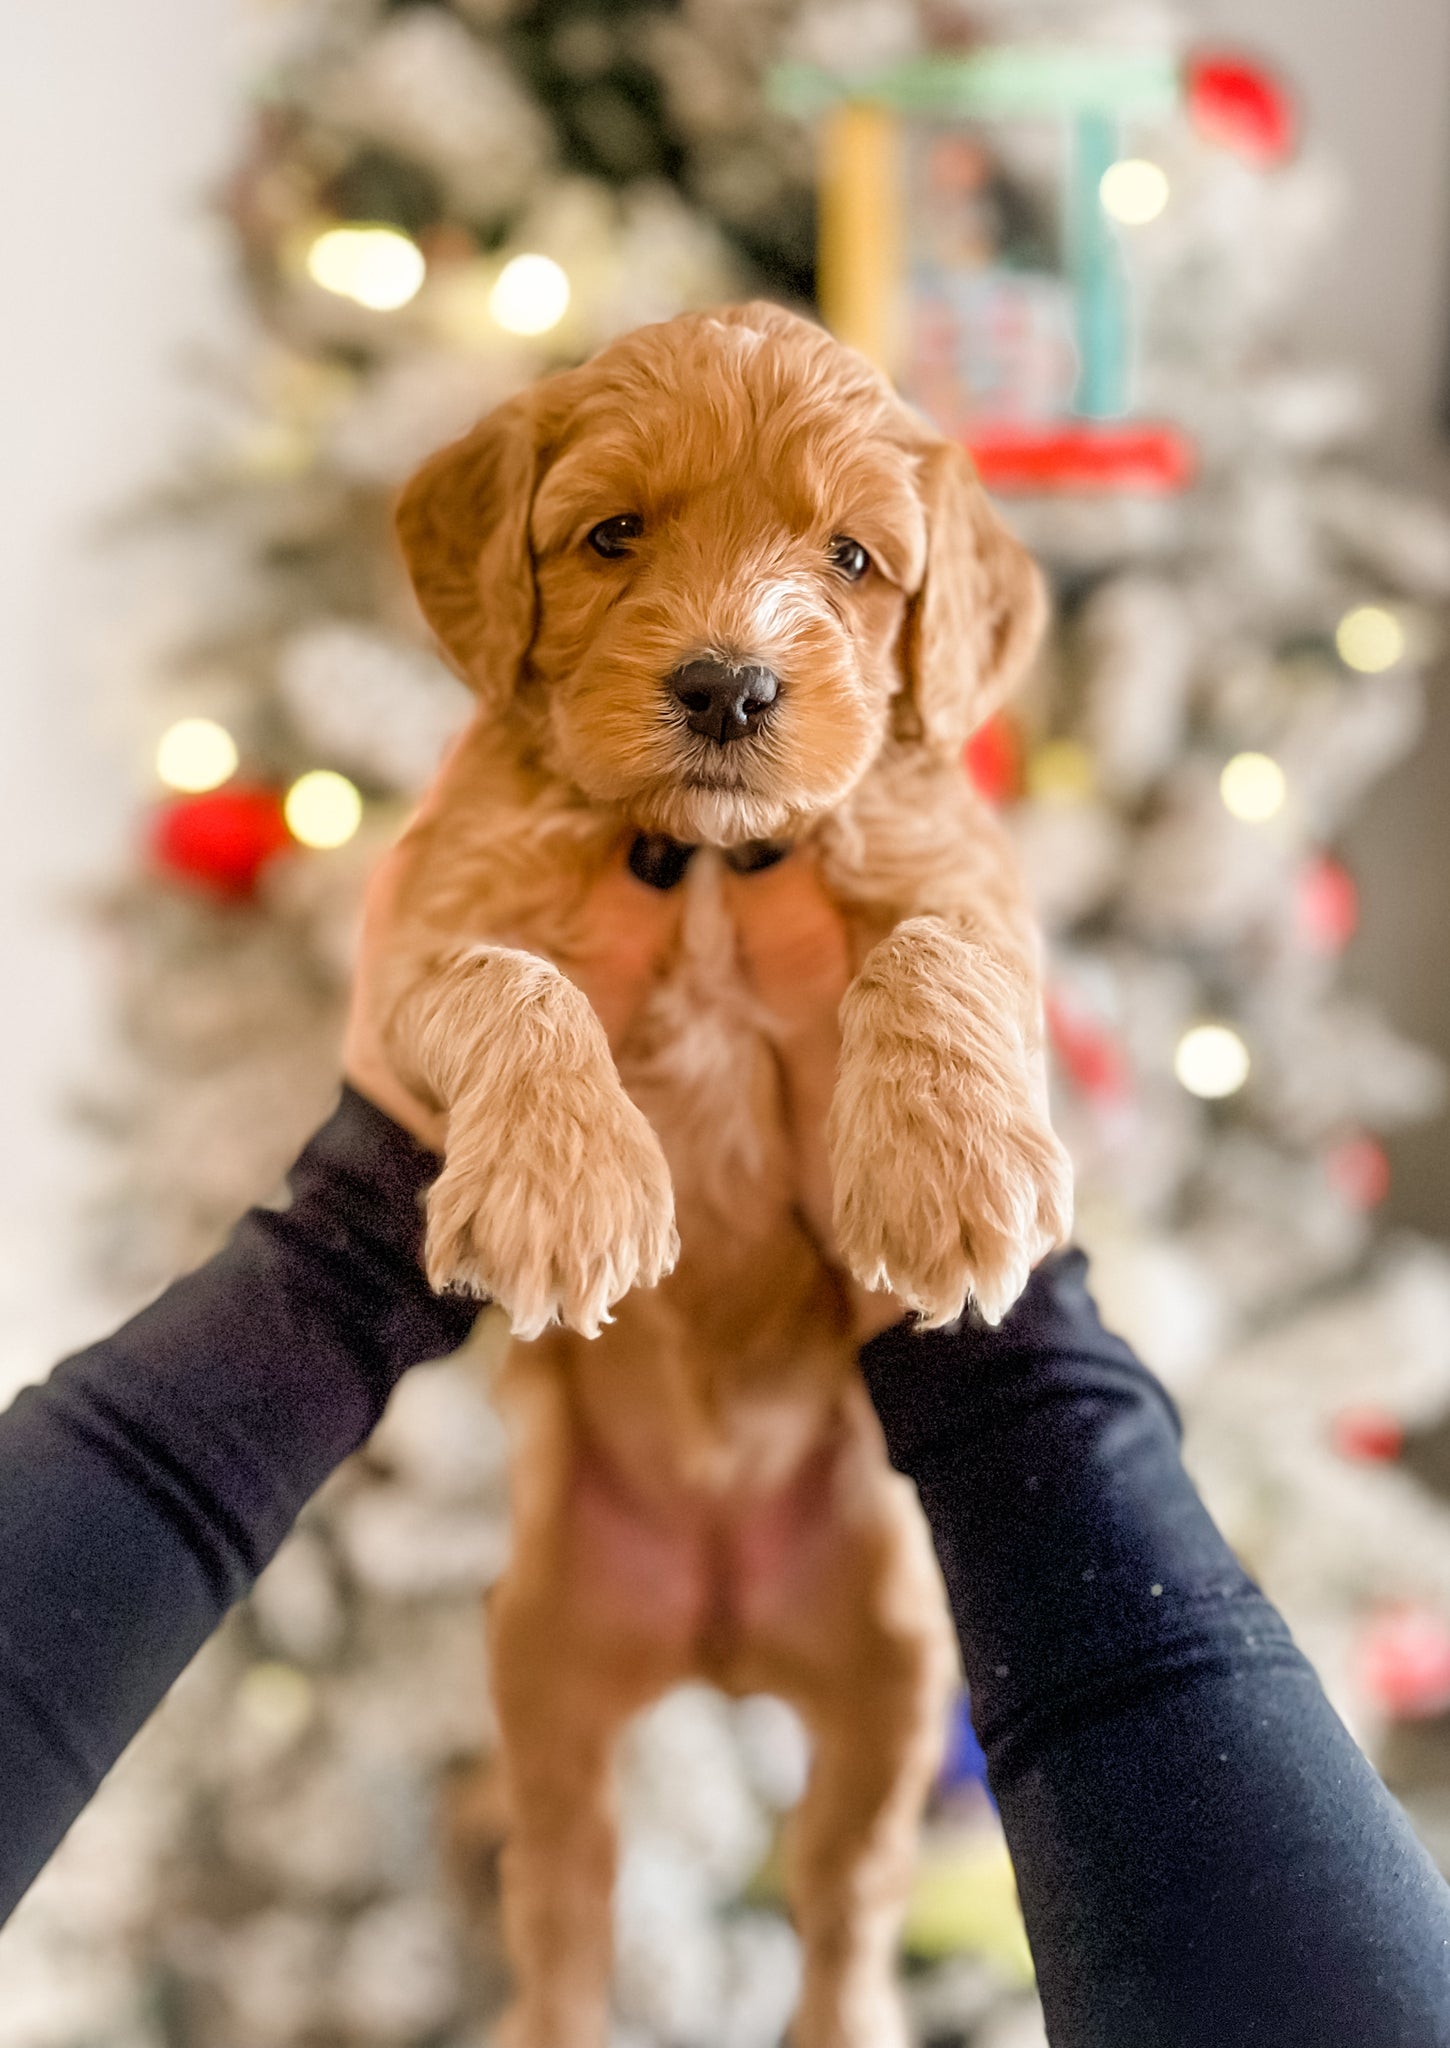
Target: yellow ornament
(1061, 772)
(277, 1699)
(964, 1900)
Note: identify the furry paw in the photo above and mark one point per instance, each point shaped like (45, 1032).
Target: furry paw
(555, 1198)
(554, 1214)
(950, 1184)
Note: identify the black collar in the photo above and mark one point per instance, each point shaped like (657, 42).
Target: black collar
(661, 861)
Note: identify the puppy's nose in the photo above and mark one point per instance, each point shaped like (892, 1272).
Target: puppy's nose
(723, 703)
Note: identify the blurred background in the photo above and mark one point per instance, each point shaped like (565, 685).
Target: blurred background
(1179, 277)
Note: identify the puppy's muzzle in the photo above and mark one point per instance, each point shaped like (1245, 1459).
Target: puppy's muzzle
(723, 703)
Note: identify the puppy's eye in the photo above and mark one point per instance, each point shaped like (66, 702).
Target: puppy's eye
(849, 557)
(612, 537)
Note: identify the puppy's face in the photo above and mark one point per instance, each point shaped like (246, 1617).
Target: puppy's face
(713, 568)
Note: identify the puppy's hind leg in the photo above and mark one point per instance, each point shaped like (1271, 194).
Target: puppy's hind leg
(869, 1665)
(583, 1632)
(853, 1844)
(557, 1730)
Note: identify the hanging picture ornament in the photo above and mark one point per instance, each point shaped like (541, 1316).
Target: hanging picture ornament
(998, 294)
(1241, 106)
(219, 840)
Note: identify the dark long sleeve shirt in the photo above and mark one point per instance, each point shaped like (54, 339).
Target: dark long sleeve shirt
(145, 1485)
(1204, 1856)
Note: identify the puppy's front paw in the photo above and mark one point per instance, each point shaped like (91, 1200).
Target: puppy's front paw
(950, 1184)
(554, 1210)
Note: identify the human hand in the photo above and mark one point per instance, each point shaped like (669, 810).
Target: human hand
(629, 929)
(795, 951)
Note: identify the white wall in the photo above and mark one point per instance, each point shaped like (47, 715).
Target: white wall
(113, 118)
(1375, 76)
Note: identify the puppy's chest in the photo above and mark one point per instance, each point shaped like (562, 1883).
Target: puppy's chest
(700, 1062)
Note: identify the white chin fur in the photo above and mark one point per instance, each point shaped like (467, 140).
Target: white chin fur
(713, 817)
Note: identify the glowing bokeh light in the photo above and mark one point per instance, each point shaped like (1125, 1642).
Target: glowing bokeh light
(1253, 787)
(322, 809)
(1370, 639)
(1134, 191)
(277, 1699)
(196, 754)
(1212, 1061)
(530, 295)
(379, 267)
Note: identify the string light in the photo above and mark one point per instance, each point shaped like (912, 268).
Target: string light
(1133, 191)
(530, 295)
(322, 809)
(1212, 1061)
(1370, 639)
(196, 754)
(1253, 787)
(380, 267)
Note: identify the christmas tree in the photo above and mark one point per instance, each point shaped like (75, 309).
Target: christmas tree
(435, 204)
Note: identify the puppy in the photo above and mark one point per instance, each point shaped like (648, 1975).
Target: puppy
(721, 596)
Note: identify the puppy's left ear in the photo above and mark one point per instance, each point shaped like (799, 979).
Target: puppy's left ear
(978, 617)
(463, 526)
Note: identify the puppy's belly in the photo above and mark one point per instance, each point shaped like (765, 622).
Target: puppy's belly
(704, 1073)
(714, 1584)
(705, 1408)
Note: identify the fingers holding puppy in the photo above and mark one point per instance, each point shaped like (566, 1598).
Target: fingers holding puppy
(555, 1198)
(950, 1184)
(628, 931)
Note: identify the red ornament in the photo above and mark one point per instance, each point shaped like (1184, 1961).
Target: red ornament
(1241, 106)
(1405, 1662)
(1327, 905)
(1082, 456)
(220, 840)
(1090, 1056)
(1359, 1169)
(993, 760)
(1368, 1436)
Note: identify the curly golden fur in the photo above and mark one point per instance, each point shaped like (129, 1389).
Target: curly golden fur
(702, 1490)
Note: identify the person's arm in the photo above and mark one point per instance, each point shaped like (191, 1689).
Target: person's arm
(149, 1480)
(1204, 1857)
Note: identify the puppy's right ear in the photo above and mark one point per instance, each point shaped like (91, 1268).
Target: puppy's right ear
(463, 525)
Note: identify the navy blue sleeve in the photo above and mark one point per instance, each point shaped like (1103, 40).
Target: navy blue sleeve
(149, 1480)
(1204, 1857)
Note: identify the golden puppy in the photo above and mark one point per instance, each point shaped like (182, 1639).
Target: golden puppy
(717, 590)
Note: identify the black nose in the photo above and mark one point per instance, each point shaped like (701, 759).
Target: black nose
(723, 703)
